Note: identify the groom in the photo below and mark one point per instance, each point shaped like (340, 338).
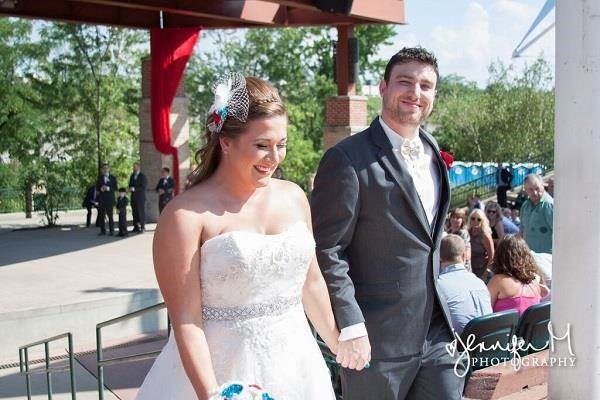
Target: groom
(379, 203)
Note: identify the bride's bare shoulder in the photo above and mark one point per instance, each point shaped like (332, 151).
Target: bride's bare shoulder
(188, 208)
(289, 189)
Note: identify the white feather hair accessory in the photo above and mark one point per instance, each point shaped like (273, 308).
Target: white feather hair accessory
(231, 100)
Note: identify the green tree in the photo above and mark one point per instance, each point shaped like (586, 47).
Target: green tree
(67, 89)
(510, 120)
(298, 61)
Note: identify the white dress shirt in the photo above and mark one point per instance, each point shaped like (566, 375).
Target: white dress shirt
(425, 176)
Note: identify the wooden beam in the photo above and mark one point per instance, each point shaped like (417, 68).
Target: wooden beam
(386, 11)
(252, 12)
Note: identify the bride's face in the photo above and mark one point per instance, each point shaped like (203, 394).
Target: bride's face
(255, 154)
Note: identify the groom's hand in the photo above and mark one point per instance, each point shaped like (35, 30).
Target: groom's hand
(354, 353)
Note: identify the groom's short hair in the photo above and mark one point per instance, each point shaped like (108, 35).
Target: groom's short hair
(452, 248)
(409, 54)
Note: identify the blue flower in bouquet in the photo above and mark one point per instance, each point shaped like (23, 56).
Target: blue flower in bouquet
(239, 391)
(232, 390)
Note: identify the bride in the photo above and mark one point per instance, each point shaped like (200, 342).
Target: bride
(235, 261)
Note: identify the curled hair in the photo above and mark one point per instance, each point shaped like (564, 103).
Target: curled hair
(513, 258)
(409, 54)
(264, 103)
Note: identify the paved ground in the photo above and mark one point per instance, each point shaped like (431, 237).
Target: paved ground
(54, 266)
(70, 264)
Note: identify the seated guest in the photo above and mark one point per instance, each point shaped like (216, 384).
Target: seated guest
(516, 284)
(544, 264)
(457, 224)
(466, 295)
(514, 216)
(499, 223)
(482, 244)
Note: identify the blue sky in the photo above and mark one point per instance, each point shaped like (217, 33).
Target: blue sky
(466, 35)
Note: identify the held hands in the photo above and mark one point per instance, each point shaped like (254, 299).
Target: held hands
(161, 191)
(354, 353)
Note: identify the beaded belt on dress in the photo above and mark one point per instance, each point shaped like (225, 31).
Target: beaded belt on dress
(277, 306)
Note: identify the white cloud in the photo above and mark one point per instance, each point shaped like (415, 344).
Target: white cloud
(515, 10)
(466, 46)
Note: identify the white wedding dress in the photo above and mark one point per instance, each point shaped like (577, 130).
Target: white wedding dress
(254, 321)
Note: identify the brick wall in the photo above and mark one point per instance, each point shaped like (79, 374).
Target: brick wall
(346, 111)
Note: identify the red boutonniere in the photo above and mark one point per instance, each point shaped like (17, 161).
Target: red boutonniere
(447, 157)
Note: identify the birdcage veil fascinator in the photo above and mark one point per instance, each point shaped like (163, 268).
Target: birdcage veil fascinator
(231, 100)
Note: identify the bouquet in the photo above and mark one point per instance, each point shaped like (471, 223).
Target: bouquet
(239, 391)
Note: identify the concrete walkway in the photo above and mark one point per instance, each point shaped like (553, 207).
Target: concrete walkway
(68, 279)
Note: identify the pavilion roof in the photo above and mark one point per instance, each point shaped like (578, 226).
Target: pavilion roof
(209, 14)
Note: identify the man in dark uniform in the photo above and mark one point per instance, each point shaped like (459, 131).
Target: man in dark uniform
(137, 188)
(91, 201)
(504, 182)
(106, 185)
(165, 188)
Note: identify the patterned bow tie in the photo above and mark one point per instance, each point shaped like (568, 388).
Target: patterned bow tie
(411, 149)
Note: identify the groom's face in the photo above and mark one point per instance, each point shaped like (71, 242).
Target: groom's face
(409, 93)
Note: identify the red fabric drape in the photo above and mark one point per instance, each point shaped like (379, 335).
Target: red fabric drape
(170, 50)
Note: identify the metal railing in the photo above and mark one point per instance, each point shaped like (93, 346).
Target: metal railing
(101, 363)
(24, 364)
(12, 200)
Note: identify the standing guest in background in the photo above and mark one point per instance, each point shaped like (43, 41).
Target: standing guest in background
(137, 188)
(474, 202)
(516, 284)
(122, 203)
(504, 181)
(482, 244)
(536, 215)
(550, 187)
(457, 224)
(466, 295)
(499, 224)
(165, 188)
(91, 201)
(106, 185)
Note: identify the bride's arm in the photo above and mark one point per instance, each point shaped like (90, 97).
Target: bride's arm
(176, 263)
(315, 296)
(317, 306)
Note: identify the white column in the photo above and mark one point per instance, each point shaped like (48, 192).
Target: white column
(576, 270)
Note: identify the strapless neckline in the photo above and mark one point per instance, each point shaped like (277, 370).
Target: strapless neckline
(239, 231)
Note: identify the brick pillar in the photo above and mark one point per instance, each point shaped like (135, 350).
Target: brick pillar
(152, 160)
(344, 116)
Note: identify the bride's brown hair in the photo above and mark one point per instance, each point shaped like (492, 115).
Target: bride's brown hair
(264, 103)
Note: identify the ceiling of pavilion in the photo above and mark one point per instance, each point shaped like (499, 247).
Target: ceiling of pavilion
(209, 14)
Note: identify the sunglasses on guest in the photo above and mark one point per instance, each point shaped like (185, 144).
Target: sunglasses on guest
(475, 219)
(490, 211)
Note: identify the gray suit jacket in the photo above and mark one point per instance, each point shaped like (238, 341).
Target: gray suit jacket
(375, 247)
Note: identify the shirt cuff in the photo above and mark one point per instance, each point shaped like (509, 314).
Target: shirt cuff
(353, 332)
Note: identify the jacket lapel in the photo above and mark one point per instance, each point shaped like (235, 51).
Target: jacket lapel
(438, 222)
(394, 164)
